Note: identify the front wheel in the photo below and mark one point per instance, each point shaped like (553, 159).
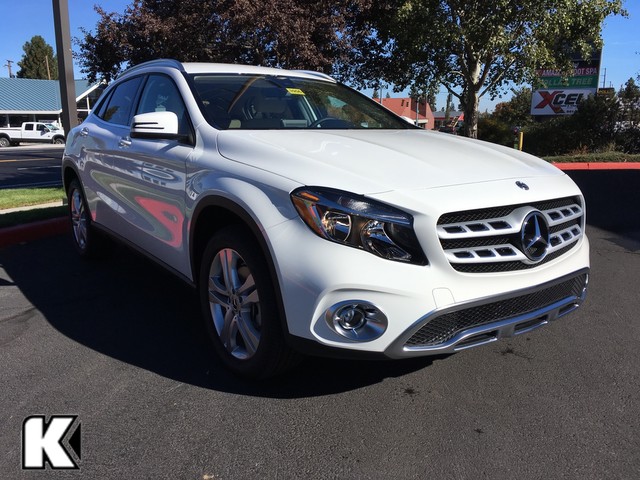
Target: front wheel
(239, 306)
(58, 141)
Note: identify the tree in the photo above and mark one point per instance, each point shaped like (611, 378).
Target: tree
(478, 47)
(38, 60)
(629, 97)
(517, 111)
(313, 35)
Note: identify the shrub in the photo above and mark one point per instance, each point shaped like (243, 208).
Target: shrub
(495, 131)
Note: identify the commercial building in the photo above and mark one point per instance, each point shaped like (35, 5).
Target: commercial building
(31, 100)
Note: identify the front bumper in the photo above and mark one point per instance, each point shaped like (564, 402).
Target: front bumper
(316, 275)
(476, 323)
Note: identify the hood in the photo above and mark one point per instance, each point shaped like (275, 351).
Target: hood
(375, 161)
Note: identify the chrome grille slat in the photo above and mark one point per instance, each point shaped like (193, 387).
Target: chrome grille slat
(471, 242)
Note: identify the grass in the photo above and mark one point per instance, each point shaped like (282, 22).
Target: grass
(24, 197)
(606, 157)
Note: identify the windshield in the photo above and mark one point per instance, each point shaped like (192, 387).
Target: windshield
(51, 126)
(251, 102)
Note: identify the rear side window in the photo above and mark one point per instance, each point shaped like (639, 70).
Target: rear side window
(119, 106)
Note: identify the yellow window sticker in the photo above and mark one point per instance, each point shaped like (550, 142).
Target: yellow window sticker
(295, 91)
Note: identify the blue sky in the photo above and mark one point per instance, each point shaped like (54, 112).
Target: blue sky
(26, 18)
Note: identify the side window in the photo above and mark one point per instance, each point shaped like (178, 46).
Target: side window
(28, 126)
(40, 127)
(118, 108)
(102, 106)
(161, 94)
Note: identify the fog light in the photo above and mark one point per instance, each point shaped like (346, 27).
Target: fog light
(357, 320)
(351, 317)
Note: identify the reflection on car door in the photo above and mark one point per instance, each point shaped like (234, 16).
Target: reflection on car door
(147, 178)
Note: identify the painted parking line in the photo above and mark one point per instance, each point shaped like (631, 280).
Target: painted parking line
(57, 167)
(27, 160)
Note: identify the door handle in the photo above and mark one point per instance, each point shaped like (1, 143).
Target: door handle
(124, 142)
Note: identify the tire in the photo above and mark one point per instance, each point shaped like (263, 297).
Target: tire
(88, 243)
(239, 306)
(4, 142)
(58, 141)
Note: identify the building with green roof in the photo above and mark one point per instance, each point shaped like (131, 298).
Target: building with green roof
(31, 100)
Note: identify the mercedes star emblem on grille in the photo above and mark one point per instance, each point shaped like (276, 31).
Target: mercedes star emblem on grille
(535, 236)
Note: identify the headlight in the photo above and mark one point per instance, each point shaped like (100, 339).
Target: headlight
(359, 222)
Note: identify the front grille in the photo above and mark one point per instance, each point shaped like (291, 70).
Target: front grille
(489, 240)
(446, 326)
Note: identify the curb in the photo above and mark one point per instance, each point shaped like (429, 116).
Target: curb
(598, 166)
(33, 231)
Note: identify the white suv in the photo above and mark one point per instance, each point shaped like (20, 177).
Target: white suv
(313, 220)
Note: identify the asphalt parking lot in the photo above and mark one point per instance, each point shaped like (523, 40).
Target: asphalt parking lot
(31, 165)
(118, 344)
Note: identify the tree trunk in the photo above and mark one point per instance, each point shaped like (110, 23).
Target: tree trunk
(470, 105)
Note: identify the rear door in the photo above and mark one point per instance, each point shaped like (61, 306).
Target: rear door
(100, 135)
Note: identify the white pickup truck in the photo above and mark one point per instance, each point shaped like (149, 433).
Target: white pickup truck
(36, 132)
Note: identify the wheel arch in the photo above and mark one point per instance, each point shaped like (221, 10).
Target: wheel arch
(68, 174)
(214, 213)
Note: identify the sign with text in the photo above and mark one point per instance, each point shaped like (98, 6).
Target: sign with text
(588, 81)
(561, 92)
(558, 102)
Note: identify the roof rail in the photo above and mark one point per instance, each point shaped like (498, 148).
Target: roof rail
(324, 76)
(161, 62)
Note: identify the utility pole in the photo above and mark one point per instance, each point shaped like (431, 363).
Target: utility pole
(65, 65)
(8, 65)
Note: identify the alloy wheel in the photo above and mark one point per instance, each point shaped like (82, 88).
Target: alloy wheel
(78, 219)
(234, 304)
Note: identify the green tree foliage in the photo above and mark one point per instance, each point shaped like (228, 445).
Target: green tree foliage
(594, 128)
(38, 60)
(491, 129)
(315, 35)
(477, 47)
(629, 97)
(601, 124)
(517, 111)
(628, 135)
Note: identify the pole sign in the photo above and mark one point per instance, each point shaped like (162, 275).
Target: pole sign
(561, 94)
(558, 102)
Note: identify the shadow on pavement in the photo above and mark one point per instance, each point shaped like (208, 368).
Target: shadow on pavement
(129, 309)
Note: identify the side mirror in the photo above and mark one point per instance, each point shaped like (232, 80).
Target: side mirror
(156, 125)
